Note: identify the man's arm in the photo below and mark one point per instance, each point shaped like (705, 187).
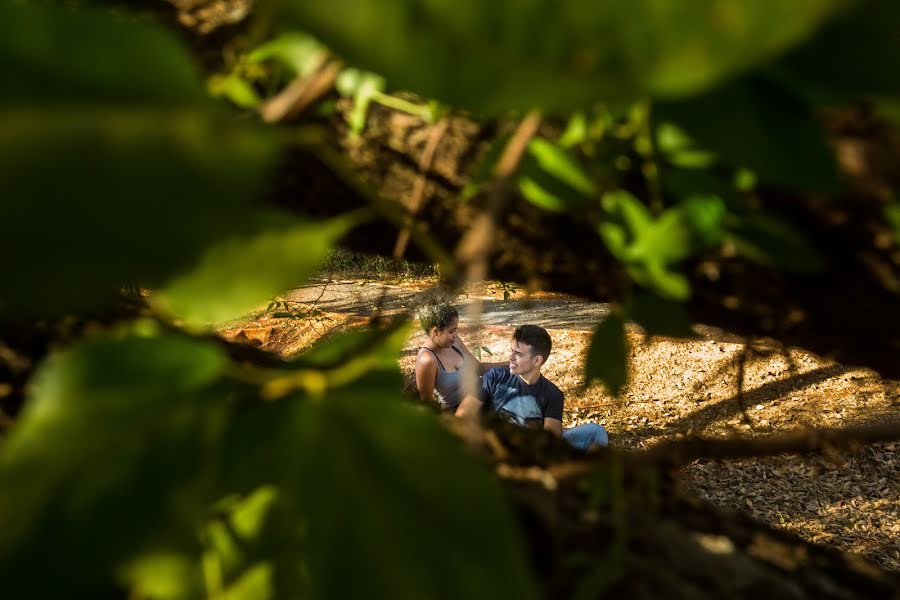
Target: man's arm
(469, 407)
(554, 426)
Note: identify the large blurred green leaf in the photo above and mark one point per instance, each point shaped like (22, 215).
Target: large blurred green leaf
(658, 316)
(758, 124)
(238, 274)
(382, 486)
(892, 216)
(59, 56)
(112, 450)
(381, 344)
(851, 57)
(408, 501)
(496, 56)
(113, 164)
(607, 355)
(384, 499)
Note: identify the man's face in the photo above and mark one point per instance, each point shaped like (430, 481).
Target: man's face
(522, 360)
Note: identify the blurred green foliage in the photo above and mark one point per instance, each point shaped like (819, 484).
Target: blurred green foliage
(607, 356)
(115, 166)
(558, 55)
(153, 464)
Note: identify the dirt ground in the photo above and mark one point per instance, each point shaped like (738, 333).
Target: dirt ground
(849, 500)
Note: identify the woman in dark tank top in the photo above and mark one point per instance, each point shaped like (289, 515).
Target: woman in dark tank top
(443, 356)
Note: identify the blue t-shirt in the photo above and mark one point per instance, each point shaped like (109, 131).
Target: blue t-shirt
(528, 405)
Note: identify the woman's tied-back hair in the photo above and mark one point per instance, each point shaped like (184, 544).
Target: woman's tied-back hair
(438, 314)
(536, 337)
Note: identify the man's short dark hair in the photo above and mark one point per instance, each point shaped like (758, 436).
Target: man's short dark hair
(438, 315)
(536, 337)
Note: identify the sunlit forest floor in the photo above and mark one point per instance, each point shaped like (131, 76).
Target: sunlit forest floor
(676, 387)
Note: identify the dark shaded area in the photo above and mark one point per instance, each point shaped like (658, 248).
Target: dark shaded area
(638, 537)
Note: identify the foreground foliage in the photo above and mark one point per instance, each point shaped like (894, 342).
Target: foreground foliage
(151, 459)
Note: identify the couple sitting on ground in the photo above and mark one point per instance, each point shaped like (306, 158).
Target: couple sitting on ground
(515, 390)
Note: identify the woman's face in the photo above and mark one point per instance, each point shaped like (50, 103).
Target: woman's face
(446, 337)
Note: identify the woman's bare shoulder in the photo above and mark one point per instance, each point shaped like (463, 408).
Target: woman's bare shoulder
(425, 357)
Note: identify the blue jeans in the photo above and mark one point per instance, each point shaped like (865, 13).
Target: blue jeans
(581, 437)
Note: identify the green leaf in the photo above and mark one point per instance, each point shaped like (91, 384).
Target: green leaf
(758, 124)
(538, 195)
(379, 347)
(497, 56)
(100, 155)
(667, 240)
(455, 515)
(254, 584)
(299, 52)
(666, 282)
(237, 275)
(648, 247)
(607, 355)
(163, 576)
(235, 88)
(745, 180)
(245, 554)
(680, 150)
(550, 179)
(363, 87)
(677, 233)
(60, 56)
(658, 316)
(576, 131)
(704, 216)
(555, 160)
(850, 58)
(630, 211)
(769, 241)
(416, 496)
(615, 238)
(892, 216)
(110, 453)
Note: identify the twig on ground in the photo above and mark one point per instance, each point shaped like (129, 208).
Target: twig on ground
(677, 453)
(742, 364)
(322, 293)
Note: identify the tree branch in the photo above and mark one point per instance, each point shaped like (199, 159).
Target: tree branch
(678, 453)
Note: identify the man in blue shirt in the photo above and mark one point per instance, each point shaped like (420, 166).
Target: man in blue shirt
(521, 394)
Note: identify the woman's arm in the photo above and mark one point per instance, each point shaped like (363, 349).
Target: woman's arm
(483, 367)
(426, 375)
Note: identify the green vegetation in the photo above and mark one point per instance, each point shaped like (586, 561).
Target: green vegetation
(151, 461)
